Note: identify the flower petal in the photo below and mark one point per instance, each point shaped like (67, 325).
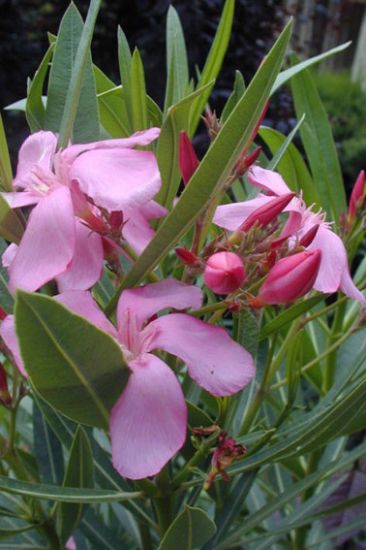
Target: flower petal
(48, 243)
(214, 360)
(117, 178)
(349, 288)
(147, 300)
(86, 265)
(82, 303)
(268, 180)
(148, 422)
(231, 216)
(8, 334)
(22, 198)
(334, 260)
(37, 149)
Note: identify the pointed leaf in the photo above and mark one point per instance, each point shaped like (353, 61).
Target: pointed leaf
(138, 104)
(176, 60)
(190, 530)
(35, 111)
(6, 174)
(11, 228)
(47, 449)
(74, 366)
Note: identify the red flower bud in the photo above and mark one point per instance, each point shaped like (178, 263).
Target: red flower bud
(357, 195)
(186, 256)
(290, 278)
(188, 161)
(3, 314)
(266, 213)
(224, 272)
(309, 236)
(5, 396)
(246, 161)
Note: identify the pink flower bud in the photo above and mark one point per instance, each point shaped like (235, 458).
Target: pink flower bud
(224, 272)
(246, 161)
(357, 195)
(290, 278)
(309, 236)
(186, 256)
(188, 161)
(265, 214)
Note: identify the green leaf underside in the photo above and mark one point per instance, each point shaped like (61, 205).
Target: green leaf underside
(74, 366)
(190, 530)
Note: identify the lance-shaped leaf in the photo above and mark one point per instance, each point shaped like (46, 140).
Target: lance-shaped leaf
(6, 174)
(215, 167)
(80, 474)
(176, 60)
(214, 61)
(11, 228)
(323, 158)
(75, 367)
(72, 107)
(34, 110)
(191, 529)
(48, 450)
(138, 104)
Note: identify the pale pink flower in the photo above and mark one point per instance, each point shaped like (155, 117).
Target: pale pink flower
(333, 272)
(148, 422)
(56, 243)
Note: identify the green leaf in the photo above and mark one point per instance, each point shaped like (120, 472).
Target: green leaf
(6, 174)
(35, 111)
(176, 60)
(47, 449)
(71, 105)
(215, 167)
(64, 494)
(286, 75)
(289, 315)
(8, 533)
(191, 529)
(11, 228)
(6, 299)
(138, 103)
(214, 61)
(168, 146)
(124, 60)
(88, 371)
(79, 474)
(284, 146)
(323, 157)
(238, 91)
(291, 166)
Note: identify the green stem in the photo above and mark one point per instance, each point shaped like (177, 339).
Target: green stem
(145, 535)
(331, 357)
(164, 502)
(201, 452)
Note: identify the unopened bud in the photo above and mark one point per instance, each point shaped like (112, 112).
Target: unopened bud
(188, 161)
(309, 236)
(224, 272)
(357, 196)
(186, 256)
(263, 215)
(290, 278)
(116, 220)
(5, 396)
(3, 314)
(246, 161)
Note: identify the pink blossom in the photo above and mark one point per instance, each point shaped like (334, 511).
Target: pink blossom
(148, 422)
(224, 272)
(56, 243)
(333, 272)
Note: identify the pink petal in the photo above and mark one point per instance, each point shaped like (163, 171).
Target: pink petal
(21, 198)
(334, 260)
(348, 288)
(153, 210)
(147, 300)
(37, 149)
(214, 360)
(231, 216)
(82, 303)
(8, 334)
(86, 265)
(118, 178)
(142, 138)
(48, 243)
(271, 181)
(148, 422)
(9, 255)
(137, 231)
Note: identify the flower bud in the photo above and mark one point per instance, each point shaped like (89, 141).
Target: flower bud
(5, 396)
(357, 195)
(309, 236)
(224, 272)
(188, 161)
(186, 256)
(265, 214)
(290, 278)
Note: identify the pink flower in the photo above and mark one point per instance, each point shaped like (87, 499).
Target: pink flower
(56, 243)
(224, 272)
(357, 198)
(148, 422)
(290, 278)
(333, 272)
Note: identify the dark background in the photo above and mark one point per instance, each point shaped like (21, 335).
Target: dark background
(23, 40)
